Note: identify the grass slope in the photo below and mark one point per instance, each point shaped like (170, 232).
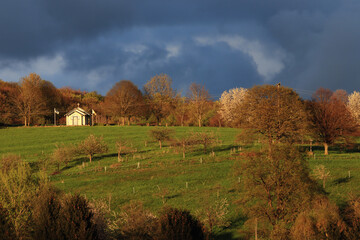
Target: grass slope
(164, 177)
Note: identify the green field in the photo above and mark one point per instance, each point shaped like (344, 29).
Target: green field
(163, 176)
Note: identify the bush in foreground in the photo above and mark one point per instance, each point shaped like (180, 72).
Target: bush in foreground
(179, 224)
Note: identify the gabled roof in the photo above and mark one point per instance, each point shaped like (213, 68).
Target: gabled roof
(78, 110)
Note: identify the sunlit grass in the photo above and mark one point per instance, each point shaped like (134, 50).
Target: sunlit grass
(163, 175)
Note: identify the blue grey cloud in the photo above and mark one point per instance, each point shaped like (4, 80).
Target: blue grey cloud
(92, 44)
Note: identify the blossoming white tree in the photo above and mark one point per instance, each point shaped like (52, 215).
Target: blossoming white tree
(354, 105)
(230, 101)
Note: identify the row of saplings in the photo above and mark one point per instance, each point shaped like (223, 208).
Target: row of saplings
(31, 208)
(95, 145)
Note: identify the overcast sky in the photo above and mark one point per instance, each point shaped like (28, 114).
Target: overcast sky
(223, 44)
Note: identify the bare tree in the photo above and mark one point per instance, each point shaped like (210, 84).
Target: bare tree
(206, 139)
(181, 109)
(199, 98)
(123, 147)
(30, 102)
(184, 144)
(160, 96)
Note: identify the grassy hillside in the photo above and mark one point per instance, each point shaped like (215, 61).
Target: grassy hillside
(157, 177)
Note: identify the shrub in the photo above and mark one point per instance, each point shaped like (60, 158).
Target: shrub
(6, 227)
(46, 213)
(9, 161)
(215, 214)
(179, 224)
(161, 134)
(134, 222)
(322, 221)
(76, 219)
(63, 155)
(352, 217)
(17, 188)
(92, 145)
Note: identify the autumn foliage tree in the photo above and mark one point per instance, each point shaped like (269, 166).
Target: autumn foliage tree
(36, 98)
(330, 118)
(8, 93)
(92, 145)
(276, 186)
(275, 112)
(124, 100)
(62, 155)
(161, 134)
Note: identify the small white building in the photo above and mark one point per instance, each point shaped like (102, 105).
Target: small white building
(78, 117)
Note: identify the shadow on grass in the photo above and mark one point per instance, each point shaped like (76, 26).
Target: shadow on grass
(341, 180)
(228, 233)
(173, 196)
(225, 236)
(339, 148)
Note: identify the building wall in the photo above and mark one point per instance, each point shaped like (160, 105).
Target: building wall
(71, 120)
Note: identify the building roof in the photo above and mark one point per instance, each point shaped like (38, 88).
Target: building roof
(78, 110)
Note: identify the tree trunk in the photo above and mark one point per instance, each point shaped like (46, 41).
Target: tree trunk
(326, 149)
(90, 157)
(160, 144)
(256, 231)
(25, 122)
(199, 121)
(183, 154)
(128, 121)
(123, 121)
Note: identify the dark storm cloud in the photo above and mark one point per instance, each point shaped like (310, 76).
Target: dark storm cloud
(92, 44)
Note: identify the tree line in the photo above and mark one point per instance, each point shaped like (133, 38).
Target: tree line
(32, 101)
(327, 117)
